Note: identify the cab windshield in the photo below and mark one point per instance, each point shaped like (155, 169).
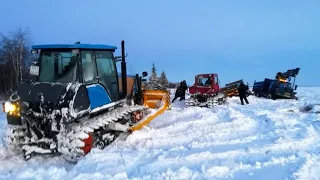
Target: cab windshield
(204, 81)
(58, 66)
(286, 85)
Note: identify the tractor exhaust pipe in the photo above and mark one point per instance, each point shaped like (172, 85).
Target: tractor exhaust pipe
(123, 70)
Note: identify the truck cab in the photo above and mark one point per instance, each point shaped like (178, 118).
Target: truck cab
(274, 89)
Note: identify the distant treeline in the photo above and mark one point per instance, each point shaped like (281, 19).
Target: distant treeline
(161, 82)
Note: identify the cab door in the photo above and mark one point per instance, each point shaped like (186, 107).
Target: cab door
(100, 76)
(215, 83)
(107, 73)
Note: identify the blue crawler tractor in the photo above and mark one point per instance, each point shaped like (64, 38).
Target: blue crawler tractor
(76, 101)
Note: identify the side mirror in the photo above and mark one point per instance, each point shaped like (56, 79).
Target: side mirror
(34, 70)
(295, 87)
(144, 74)
(118, 58)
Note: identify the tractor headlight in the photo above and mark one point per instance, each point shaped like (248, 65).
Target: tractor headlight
(12, 109)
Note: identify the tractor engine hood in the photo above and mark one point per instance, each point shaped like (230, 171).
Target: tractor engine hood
(41, 99)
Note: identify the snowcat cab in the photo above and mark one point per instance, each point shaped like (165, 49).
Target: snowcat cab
(78, 101)
(205, 83)
(205, 92)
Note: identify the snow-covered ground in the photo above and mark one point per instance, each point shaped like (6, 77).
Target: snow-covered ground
(263, 140)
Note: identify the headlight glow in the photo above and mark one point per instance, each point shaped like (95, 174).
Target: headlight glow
(10, 108)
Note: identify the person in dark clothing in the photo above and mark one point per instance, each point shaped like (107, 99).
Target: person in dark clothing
(181, 91)
(242, 89)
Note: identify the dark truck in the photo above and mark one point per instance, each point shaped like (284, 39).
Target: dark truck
(231, 89)
(278, 88)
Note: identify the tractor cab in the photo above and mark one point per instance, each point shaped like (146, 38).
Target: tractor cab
(83, 63)
(205, 83)
(83, 77)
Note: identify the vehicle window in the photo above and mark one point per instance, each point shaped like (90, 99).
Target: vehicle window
(216, 80)
(107, 73)
(200, 83)
(286, 85)
(47, 73)
(58, 66)
(88, 67)
(204, 82)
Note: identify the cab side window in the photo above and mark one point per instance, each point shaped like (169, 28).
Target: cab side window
(88, 67)
(216, 80)
(107, 73)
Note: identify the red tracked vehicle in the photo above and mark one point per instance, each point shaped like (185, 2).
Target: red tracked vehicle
(205, 92)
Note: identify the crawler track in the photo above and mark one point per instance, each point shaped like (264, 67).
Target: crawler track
(75, 140)
(210, 101)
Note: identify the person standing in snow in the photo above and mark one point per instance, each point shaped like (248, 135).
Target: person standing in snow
(184, 89)
(242, 89)
(181, 91)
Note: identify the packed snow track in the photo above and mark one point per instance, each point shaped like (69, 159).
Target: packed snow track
(263, 140)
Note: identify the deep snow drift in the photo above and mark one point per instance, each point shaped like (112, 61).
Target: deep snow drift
(263, 140)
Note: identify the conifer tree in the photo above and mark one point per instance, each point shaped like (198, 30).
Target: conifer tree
(154, 81)
(163, 80)
(153, 73)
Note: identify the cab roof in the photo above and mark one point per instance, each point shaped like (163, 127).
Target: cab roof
(75, 46)
(208, 74)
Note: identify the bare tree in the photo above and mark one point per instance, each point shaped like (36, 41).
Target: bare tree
(15, 53)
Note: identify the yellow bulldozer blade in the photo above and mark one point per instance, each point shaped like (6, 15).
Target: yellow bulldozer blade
(158, 101)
